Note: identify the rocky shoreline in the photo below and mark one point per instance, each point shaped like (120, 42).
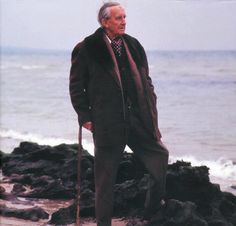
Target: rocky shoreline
(44, 172)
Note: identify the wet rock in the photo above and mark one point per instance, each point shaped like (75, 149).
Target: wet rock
(2, 190)
(38, 160)
(6, 196)
(68, 215)
(42, 181)
(136, 222)
(53, 190)
(177, 213)
(33, 214)
(22, 179)
(87, 203)
(227, 207)
(218, 223)
(128, 198)
(64, 216)
(51, 172)
(130, 168)
(187, 183)
(2, 155)
(18, 188)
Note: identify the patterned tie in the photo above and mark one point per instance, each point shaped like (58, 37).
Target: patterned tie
(117, 45)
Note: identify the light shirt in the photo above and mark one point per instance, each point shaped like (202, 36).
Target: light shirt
(109, 40)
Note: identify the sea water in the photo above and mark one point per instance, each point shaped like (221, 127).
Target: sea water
(196, 104)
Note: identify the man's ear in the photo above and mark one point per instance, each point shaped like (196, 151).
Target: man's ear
(104, 23)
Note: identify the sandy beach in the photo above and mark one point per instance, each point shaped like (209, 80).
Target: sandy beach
(49, 205)
(7, 221)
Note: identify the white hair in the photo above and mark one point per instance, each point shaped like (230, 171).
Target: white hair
(104, 12)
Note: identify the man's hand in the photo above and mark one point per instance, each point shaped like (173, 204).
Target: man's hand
(88, 126)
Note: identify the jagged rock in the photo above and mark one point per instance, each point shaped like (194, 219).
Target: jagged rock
(68, 215)
(18, 188)
(227, 207)
(187, 183)
(130, 168)
(64, 216)
(136, 222)
(128, 198)
(2, 155)
(2, 190)
(177, 213)
(42, 181)
(22, 179)
(53, 190)
(51, 172)
(33, 214)
(6, 196)
(218, 223)
(87, 201)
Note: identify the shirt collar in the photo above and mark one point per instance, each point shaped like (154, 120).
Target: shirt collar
(109, 40)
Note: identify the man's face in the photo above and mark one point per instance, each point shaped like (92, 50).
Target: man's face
(115, 25)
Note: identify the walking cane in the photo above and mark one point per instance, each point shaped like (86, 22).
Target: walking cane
(79, 155)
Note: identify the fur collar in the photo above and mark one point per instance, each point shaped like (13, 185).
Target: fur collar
(98, 50)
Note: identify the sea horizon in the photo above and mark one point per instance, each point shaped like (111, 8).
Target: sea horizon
(12, 49)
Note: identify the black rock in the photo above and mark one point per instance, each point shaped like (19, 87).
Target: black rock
(64, 216)
(51, 172)
(227, 207)
(25, 179)
(136, 222)
(2, 155)
(128, 198)
(87, 201)
(33, 214)
(177, 213)
(2, 190)
(18, 188)
(187, 183)
(53, 190)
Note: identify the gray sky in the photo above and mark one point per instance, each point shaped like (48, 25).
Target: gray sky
(158, 24)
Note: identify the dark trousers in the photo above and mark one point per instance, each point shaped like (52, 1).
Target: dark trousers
(152, 153)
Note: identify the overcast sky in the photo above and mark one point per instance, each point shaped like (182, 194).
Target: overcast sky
(158, 24)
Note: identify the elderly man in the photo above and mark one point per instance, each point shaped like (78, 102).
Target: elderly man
(113, 95)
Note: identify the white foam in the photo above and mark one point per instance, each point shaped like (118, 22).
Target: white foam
(221, 168)
(22, 66)
(41, 140)
(32, 67)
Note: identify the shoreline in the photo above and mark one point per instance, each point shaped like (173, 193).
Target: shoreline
(222, 170)
(40, 186)
(50, 206)
(85, 222)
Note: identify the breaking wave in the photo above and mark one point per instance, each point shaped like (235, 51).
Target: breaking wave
(220, 168)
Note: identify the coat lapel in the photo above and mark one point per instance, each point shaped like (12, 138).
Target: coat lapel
(100, 49)
(141, 93)
(134, 70)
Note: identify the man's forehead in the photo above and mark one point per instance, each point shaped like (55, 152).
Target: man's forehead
(117, 9)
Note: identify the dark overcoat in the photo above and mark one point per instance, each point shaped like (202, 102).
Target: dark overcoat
(97, 94)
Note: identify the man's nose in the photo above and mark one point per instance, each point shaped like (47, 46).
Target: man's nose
(123, 21)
